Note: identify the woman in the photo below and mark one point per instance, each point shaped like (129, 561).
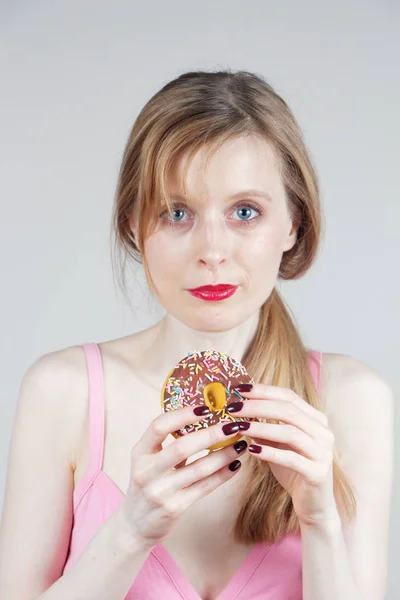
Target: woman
(216, 187)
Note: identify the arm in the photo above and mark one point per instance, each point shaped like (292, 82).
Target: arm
(350, 562)
(105, 570)
(326, 568)
(37, 514)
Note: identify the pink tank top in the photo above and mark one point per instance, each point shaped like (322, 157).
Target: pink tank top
(270, 571)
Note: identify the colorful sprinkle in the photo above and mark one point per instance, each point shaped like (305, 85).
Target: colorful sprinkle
(185, 386)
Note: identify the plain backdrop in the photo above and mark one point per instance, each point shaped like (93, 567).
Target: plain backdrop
(75, 74)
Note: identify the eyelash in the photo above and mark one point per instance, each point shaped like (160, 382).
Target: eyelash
(245, 205)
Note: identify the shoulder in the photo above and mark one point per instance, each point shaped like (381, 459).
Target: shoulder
(358, 401)
(56, 364)
(61, 371)
(343, 376)
(53, 393)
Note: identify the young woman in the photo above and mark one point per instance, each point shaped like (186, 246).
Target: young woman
(216, 189)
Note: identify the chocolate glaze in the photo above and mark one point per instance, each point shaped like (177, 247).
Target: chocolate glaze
(185, 384)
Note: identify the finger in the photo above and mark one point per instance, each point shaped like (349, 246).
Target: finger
(181, 464)
(314, 472)
(177, 504)
(173, 482)
(285, 412)
(147, 467)
(184, 447)
(207, 465)
(167, 423)
(271, 392)
(291, 436)
(184, 461)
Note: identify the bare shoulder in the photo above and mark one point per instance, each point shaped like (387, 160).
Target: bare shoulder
(54, 390)
(55, 367)
(358, 401)
(51, 401)
(56, 387)
(344, 376)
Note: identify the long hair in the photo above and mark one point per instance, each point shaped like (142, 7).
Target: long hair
(204, 109)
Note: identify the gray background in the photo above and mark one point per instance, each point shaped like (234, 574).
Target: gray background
(74, 75)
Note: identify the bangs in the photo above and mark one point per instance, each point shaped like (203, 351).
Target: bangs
(156, 193)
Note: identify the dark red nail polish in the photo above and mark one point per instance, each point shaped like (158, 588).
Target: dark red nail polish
(234, 407)
(240, 446)
(244, 425)
(243, 387)
(255, 449)
(235, 465)
(201, 411)
(229, 428)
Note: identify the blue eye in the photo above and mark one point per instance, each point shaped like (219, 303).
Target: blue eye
(174, 214)
(244, 212)
(174, 217)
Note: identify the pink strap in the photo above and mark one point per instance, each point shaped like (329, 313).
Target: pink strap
(97, 404)
(96, 408)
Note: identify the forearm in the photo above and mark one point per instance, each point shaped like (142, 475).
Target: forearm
(105, 570)
(326, 568)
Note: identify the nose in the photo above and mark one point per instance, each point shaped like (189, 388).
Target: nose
(213, 244)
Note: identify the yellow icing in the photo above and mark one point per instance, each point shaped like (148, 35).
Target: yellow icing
(214, 395)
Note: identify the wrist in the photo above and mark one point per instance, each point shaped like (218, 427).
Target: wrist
(329, 523)
(126, 540)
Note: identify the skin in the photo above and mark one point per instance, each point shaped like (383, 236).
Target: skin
(211, 239)
(214, 239)
(49, 441)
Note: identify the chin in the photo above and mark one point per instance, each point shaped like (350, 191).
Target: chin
(215, 322)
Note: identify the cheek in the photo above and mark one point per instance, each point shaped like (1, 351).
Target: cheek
(163, 256)
(264, 248)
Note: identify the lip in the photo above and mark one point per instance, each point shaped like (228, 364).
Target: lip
(213, 288)
(214, 293)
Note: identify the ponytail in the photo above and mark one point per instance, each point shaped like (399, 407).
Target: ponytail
(278, 357)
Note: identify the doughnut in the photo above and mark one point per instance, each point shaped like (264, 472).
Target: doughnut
(205, 378)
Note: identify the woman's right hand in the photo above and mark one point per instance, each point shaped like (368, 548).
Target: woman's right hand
(159, 492)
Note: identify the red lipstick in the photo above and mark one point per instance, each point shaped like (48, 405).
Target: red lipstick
(214, 293)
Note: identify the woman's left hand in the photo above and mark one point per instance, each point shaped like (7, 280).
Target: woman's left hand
(299, 451)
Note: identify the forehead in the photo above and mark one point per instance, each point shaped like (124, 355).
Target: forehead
(242, 164)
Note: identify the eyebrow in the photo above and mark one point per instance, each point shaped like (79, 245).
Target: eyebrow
(249, 192)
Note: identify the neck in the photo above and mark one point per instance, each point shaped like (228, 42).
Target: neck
(171, 340)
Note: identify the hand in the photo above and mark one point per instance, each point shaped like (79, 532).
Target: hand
(159, 492)
(299, 451)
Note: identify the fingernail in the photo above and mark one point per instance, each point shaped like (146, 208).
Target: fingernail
(234, 407)
(235, 465)
(255, 449)
(230, 428)
(243, 387)
(244, 425)
(200, 411)
(240, 446)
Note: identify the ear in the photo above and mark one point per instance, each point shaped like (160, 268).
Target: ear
(292, 236)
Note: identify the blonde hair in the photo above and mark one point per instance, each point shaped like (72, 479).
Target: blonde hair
(205, 109)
